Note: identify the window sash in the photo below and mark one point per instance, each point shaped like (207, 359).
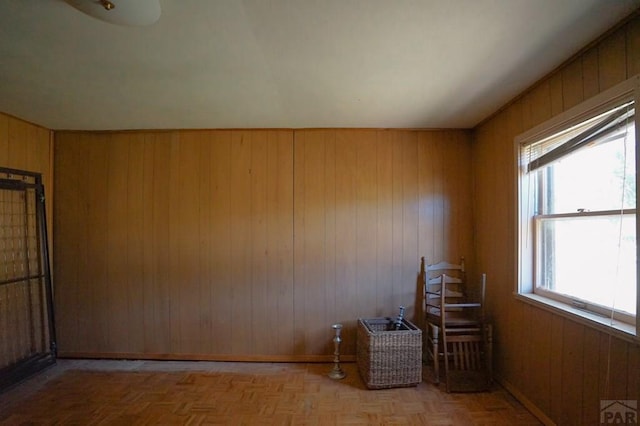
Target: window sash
(583, 214)
(602, 128)
(587, 306)
(572, 300)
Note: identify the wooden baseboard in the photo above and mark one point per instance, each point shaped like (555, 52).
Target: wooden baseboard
(205, 357)
(533, 408)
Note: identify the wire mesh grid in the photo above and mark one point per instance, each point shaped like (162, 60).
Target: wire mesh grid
(22, 316)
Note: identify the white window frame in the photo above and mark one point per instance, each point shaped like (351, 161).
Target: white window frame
(624, 326)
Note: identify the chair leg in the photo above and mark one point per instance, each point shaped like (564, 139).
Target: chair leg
(445, 354)
(435, 355)
(489, 354)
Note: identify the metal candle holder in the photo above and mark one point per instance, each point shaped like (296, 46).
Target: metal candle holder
(337, 372)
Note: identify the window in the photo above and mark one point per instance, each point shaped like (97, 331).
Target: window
(577, 226)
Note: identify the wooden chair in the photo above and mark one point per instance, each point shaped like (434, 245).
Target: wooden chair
(456, 332)
(467, 358)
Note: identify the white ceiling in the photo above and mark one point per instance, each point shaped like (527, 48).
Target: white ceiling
(287, 63)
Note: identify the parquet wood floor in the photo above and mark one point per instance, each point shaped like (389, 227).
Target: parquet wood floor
(83, 392)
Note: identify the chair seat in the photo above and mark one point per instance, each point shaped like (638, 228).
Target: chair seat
(453, 321)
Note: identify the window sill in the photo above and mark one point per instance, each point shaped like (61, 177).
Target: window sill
(617, 329)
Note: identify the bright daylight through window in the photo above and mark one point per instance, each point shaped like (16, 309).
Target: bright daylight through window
(577, 208)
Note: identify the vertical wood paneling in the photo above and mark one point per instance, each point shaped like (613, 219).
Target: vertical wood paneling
(160, 236)
(427, 178)
(450, 161)
(562, 367)
(329, 272)
(514, 361)
(148, 281)
(116, 243)
(135, 244)
(73, 257)
(426, 186)
(572, 87)
(633, 372)
(458, 159)
(18, 143)
(397, 228)
(633, 47)
(4, 138)
(437, 186)
(251, 243)
(205, 242)
(300, 253)
(77, 237)
(384, 230)
(221, 290)
(482, 156)
(613, 374)
(95, 191)
(365, 204)
(539, 357)
(187, 229)
(591, 73)
(540, 104)
(573, 350)
(590, 382)
(258, 261)
(555, 370)
(280, 305)
(405, 290)
(612, 60)
(310, 240)
(241, 313)
(346, 239)
(174, 223)
(556, 97)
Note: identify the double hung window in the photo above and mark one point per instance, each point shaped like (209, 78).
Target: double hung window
(577, 224)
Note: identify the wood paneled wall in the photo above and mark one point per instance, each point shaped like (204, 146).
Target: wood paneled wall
(248, 244)
(26, 146)
(560, 366)
(23, 146)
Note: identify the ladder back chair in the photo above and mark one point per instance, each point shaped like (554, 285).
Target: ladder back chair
(456, 332)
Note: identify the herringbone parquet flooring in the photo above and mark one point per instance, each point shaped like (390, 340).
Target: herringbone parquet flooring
(194, 393)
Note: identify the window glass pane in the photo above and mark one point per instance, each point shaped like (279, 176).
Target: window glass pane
(600, 177)
(591, 258)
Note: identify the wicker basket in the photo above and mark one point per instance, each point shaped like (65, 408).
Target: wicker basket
(389, 358)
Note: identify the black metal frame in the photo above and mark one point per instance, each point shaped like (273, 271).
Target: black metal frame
(18, 180)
